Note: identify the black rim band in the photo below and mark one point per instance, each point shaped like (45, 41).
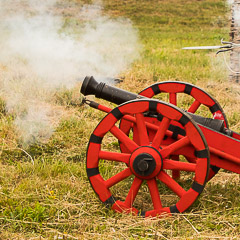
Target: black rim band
(197, 187)
(184, 120)
(156, 89)
(110, 201)
(152, 106)
(201, 153)
(188, 89)
(173, 209)
(95, 139)
(116, 113)
(92, 172)
(214, 108)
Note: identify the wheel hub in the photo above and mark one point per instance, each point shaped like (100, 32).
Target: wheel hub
(146, 162)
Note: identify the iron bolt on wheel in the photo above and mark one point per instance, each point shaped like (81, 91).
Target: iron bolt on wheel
(146, 164)
(174, 89)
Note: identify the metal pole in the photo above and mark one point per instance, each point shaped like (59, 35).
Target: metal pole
(235, 38)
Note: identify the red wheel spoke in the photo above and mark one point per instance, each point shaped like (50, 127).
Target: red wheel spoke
(170, 183)
(177, 165)
(118, 177)
(142, 130)
(163, 127)
(193, 108)
(153, 188)
(114, 156)
(175, 173)
(124, 139)
(133, 191)
(173, 98)
(175, 146)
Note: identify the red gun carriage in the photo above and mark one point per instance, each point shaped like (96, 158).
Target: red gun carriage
(160, 146)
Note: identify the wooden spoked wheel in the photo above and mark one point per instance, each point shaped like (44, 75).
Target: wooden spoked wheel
(175, 90)
(120, 179)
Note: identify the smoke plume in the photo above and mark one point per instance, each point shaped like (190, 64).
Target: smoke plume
(40, 54)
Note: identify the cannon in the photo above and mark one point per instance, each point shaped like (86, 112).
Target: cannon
(161, 156)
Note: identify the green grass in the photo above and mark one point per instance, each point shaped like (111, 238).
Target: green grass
(168, 26)
(44, 190)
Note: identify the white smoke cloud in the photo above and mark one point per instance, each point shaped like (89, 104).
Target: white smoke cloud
(36, 124)
(39, 57)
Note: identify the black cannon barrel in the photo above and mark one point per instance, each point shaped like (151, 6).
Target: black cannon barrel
(101, 90)
(214, 124)
(118, 96)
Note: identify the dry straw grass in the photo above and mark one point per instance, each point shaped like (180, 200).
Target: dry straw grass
(44, 191)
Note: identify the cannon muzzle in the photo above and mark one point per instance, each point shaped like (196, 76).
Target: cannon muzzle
(101, 90)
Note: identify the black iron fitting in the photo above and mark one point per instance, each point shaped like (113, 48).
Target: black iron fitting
(90, 103)
(144, 164)
(86, 101)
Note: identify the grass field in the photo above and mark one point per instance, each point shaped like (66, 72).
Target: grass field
(44, 190)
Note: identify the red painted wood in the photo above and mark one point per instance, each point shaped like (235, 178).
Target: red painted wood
(118, 178)
(159, 152)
